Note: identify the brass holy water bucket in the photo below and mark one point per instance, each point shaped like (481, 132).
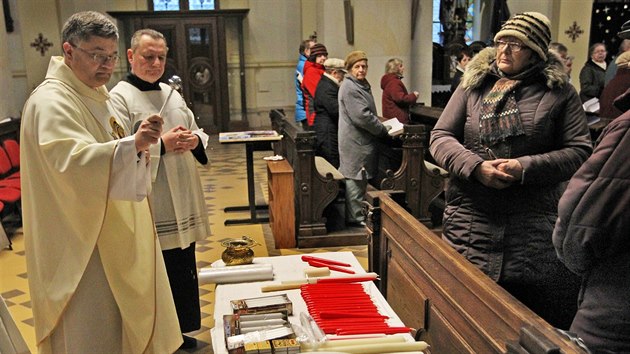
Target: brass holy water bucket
(238, 251)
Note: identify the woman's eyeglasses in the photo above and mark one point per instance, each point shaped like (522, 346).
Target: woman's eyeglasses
(101, 59)
(514, 46)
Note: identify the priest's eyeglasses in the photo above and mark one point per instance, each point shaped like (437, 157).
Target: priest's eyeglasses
(101, 59)
(515, 47)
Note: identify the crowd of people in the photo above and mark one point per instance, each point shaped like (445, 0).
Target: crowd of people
(337, 101)
(528, 201)
(511, 137)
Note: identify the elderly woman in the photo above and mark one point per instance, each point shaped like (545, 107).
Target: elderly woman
(593, 74)
(359, 129)
(511, 136)
(396, 100)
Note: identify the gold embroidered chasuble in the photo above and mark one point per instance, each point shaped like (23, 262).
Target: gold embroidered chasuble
(67, 155)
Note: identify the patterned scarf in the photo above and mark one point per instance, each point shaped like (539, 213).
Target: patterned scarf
(500, 117)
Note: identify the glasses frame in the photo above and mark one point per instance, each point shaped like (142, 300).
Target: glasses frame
(515, 47)
(101, 59)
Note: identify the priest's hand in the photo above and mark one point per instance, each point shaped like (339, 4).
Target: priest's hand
(149, 132)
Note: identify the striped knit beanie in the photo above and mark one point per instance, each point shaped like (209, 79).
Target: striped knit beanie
(316, 50)
(532, 28)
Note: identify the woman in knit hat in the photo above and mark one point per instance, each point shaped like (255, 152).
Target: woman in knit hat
(359, 129)
(313, 71)
(511, 135)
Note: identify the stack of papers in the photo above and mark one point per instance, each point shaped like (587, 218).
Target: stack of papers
(591, 106)
(396, 126)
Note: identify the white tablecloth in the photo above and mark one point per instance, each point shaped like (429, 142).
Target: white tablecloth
(287, 268)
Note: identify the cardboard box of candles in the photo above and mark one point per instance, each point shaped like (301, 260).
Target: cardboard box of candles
(264, 304)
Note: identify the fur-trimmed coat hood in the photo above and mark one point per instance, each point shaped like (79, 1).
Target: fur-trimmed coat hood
(483, 64)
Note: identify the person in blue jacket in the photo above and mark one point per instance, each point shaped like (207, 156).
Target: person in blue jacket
(305, 51)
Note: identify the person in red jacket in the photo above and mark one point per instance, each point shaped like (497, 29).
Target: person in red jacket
(396, 100)
(313, 71)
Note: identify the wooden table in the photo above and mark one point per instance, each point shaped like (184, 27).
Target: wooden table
(254, 140)
(287, 268)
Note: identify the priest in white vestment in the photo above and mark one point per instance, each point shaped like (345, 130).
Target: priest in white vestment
(177, 197)
(96, 274)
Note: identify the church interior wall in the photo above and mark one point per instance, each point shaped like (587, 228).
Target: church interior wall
(273, 30)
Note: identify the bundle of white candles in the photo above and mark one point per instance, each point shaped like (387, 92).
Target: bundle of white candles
(236, 274)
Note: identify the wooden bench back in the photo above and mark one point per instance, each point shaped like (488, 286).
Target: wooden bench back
(455, 307)
(313, 191)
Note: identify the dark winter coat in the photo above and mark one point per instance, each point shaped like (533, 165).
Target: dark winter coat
(327, 122)
(592, 237)
(456, 78)
(616, 87)
(507, 232)
(396, 100)
(592, 80)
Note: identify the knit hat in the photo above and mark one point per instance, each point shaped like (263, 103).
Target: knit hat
(532, 28)
(623, 60)
(624, 33)
(354, 57)
(318, 49)
(334, 64)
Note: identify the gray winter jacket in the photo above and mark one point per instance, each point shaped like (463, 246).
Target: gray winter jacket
(507, 233)
(359, 129)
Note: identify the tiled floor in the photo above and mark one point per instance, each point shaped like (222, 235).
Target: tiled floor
(225, 184)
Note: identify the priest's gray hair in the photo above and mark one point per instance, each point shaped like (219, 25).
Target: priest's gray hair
(84, 25)
(135, 39)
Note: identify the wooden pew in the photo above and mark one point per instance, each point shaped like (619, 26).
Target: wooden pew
(452, 304)
(426, 115)
(314, 190)
(420, 182)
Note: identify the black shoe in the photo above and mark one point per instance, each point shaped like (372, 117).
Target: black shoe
(189, 342)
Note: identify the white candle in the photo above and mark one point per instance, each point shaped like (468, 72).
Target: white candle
(347, 342)
(378, 348)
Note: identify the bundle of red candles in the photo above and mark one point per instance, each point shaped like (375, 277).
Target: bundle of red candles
(331, 264)
(345, 309)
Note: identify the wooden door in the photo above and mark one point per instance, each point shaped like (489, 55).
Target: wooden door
(196, 55)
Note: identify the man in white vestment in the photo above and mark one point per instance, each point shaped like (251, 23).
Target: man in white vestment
(96, 274)
(177, 198)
